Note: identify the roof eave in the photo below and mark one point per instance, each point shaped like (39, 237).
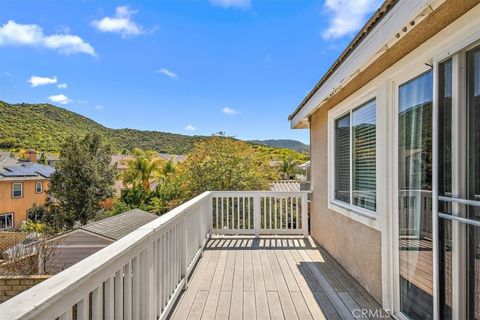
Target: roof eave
(367, 28)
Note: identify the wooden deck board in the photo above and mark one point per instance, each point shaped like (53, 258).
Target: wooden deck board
(283, 277)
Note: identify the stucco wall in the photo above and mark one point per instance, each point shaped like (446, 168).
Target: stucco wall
(355, 246)
(19, 206)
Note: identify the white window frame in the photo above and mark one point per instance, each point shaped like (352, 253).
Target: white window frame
(333, 115)
(41, 186)
(13, 190)
(13, 222)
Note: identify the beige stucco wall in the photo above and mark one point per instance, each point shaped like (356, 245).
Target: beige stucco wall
(354, 245)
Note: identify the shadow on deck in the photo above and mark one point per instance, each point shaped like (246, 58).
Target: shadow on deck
(272, 278)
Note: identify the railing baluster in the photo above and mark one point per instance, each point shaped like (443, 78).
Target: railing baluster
(275, 210)
(244, 225)
(119, 294)
(297, 226)
(291, 212)
(149, 268)
(222, 214)
(97, 303)
(217, 212)
(127, 303)
(109, 299)
(67, 315)
(264, 211)
(281, 213)
(136, 287)
(82, 309)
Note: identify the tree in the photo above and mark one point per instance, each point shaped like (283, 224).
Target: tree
(143, 169)
(222, 163)
(83, 178)
(43, 158)
(289, 169)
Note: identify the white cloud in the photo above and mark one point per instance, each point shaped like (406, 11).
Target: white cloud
(36, 81)
(347, 16)
(62, 86)
(168, 73)
(13, 33)
(7, 74)
(60, 98)
(82, 101)
(99, 107)
(120, 23)
(229, 111)
(238, 4)
(190, 128)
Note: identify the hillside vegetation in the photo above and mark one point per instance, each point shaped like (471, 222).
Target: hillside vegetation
(46, 127)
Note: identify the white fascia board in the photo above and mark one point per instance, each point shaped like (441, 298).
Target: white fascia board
(382, 37)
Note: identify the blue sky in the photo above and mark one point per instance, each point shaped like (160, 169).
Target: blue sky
(187, 66)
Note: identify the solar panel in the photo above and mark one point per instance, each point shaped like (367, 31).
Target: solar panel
(28, 170)
(45, 171)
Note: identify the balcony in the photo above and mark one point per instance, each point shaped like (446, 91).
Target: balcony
(221, 255)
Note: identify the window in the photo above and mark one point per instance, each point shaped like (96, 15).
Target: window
(38, 187)
(355, 157)
(17, 190)
(6, 221)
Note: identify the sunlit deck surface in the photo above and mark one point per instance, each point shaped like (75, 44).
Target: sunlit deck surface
(284, 277)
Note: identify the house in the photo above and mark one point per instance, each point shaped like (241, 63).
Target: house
(79, 243)
(395, 162)
(23, 184)
(395, 158)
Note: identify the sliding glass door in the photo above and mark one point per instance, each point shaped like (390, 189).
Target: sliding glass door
(458, 139)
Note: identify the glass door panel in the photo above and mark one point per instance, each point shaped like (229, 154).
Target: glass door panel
(473, 182)
(415, 197)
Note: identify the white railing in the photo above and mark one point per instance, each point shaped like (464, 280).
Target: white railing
(260, 212)
(141, 275)
(415, 209)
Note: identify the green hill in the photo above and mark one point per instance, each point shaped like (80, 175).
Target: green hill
(45, 127)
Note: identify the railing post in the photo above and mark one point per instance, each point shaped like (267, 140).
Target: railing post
(256, 214)
(210, 212)
(305, 214)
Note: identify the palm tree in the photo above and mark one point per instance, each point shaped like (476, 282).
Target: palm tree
(289, 169)
(143, 169)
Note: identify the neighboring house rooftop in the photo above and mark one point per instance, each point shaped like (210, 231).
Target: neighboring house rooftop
(13, 169)
(174, 157)
(120, 225)
(285, 185)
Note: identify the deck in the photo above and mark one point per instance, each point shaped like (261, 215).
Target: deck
(272, 278)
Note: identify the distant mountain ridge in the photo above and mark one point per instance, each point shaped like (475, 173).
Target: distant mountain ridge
(45, 127)
(284, 143)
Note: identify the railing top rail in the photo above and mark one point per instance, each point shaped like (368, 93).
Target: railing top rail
(48, 298)
(255, 192)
